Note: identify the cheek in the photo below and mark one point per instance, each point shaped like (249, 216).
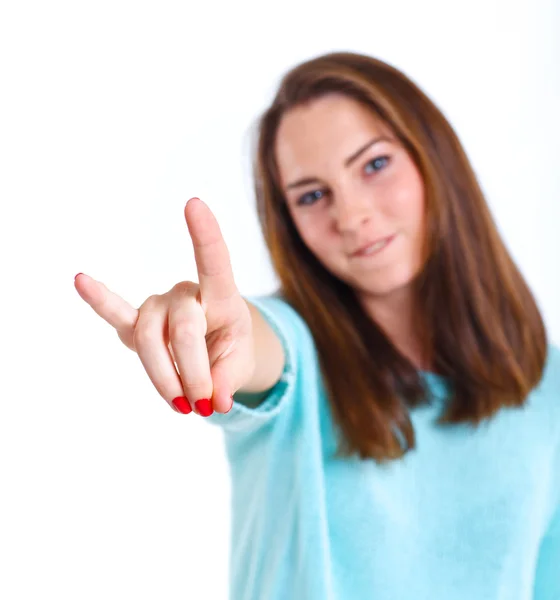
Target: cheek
(306, 227)
(315, 231)
(405, 202)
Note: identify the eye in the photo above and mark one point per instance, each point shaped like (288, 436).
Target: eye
(310, 198)
(376, 164)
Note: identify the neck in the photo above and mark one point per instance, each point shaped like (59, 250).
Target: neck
(396, 314)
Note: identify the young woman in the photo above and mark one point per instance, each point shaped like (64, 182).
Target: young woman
(394, 431)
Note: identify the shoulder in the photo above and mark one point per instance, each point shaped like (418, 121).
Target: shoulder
(550, 381)
(546, 395)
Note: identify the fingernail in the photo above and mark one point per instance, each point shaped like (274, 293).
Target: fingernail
(77, 276)
(182, 405)
(231, 398)
(204, 407)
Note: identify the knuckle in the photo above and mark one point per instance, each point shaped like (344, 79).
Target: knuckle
(150, 302)
(144, 336)
(185, 288)
(196, 388)
(185, 331)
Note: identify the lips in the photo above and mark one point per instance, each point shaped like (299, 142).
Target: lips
(372, 246)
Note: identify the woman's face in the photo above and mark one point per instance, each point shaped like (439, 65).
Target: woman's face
(355, 195)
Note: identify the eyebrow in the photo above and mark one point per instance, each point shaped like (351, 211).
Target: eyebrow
(347, 162)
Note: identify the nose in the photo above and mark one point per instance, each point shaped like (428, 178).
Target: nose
(351, 212)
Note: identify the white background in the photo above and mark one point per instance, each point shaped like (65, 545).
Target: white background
(113, 114)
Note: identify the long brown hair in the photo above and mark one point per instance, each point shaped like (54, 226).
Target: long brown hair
(481, 324)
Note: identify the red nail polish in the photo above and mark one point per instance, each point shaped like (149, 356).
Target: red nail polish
(204, 407)
(182, 405)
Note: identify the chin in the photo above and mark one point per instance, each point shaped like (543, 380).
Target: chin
(384, 284)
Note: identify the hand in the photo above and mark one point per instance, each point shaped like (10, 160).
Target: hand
(194, 341)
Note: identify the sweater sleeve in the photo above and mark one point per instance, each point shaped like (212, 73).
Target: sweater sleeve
(297, 343)
(547, 580)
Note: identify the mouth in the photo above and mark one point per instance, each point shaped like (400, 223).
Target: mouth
(372, 248)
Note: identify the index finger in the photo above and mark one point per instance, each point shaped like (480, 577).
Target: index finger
(215, 275)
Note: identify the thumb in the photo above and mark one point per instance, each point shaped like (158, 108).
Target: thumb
(223, 385)
(229, 374)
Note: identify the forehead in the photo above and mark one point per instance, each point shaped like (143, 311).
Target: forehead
(323, 133)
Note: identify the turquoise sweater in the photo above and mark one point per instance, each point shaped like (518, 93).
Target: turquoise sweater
(470, 514)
